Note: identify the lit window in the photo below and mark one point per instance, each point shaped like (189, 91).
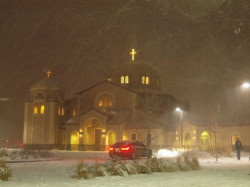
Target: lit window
(100, 102)
(59, 110)
(62, 112)
(126, 80)
(145, 80)
(35, 109)
(234, 138)
(74, 111)
(105, 101)
(42, 109)
(110, 102)
(122, 80)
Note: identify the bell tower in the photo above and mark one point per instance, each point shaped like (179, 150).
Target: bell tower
(43, 113)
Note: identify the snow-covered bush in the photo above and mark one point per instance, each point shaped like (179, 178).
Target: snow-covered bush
(182, 165)
(195, 163)
(116, 167)
(98, 170)
(142, 168)
(130, 168)
(83, 171)
(5, 172)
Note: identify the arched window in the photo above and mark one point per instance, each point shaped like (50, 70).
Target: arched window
(59, 110)
(35, 109)
(62, 112)
(42, 109)
(100, 102)
(145, 79)
(124, 79)
(105, 101)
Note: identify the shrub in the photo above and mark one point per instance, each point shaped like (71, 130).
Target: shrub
(5, 172)
(83, 171)
(170, 165)
(130, 168)
(142, 168)
(182, 165)
(195, 163)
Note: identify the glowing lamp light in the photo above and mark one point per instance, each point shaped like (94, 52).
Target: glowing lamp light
(80, 133)
(178, 109)
(245, 85)
(103, 133)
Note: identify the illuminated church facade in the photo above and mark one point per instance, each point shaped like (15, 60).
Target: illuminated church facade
(127, 105)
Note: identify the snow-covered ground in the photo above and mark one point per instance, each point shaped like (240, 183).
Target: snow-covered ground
(225, 172)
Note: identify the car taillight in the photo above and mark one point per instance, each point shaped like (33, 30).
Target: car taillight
(111, 149)
(128, 148)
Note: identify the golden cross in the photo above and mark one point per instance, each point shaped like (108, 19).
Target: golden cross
(48, 73)
(133, 53)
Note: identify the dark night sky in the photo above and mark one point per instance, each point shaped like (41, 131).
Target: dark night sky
(201, 49)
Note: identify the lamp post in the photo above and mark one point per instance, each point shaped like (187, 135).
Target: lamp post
(246, 86)
(181, 133)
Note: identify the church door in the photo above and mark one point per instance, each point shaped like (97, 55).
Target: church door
(97, 138)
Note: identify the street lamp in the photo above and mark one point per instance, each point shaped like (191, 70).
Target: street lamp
(246, 86)
(179, 110)
(181, 133)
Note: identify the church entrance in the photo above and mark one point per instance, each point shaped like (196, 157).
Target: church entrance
(204, 140)
(74, 140)
(187, 139)
(97, 138)
(93, 134)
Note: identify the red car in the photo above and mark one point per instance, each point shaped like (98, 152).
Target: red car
(129, 149)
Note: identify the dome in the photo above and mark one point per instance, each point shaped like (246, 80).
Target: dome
(136, 75)
(47, 87)
(136, 65)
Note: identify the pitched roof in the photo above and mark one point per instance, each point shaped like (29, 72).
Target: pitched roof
(109, 82)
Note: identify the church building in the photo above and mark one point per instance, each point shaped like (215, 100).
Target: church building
(127, 105)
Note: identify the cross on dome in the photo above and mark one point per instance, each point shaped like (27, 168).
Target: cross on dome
(48, 73)
(133, 53)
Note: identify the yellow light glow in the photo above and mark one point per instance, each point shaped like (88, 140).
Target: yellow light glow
(109, 79)
(35, 109)
(59, 110)
(143, 79)
(42, 109)
(133, 53)
(62, 113)
(48, 73)
(110, 102)
(147, 80)
(126, 79)
(80, 133)
(122, 80)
